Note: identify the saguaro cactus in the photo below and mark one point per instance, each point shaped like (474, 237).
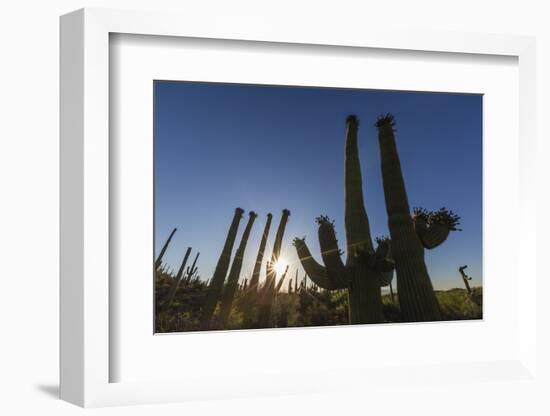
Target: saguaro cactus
(192, 271)
(466, 279)
(235, 272)
(265, 300)
(175, 283)
(249, 301)
(362, 272)
(409, 237)
(281, 280)
(254, 280)
(216, 283)
(158, 261)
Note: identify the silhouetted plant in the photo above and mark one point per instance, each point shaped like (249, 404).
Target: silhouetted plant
(176, 281)
(158, 261)
(465, 278)
(216, 283)
(410, 236)
(361, 274)
(234, 273)
(267, 295)
(191, 272)
(250, 299)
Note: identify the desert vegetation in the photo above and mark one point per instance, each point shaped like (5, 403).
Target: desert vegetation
(359, 290)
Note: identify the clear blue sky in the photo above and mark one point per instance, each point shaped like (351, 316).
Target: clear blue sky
(265, 148)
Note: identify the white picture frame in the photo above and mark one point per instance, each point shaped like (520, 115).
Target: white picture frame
(85, 211)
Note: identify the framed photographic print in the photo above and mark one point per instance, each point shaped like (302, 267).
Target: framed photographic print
(297, 212)
(222, 146)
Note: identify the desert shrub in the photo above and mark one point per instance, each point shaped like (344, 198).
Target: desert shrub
(455, 304)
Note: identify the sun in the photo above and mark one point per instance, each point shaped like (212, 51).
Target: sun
(280, 266)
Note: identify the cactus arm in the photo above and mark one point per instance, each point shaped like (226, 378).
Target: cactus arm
(356, 219)
(433, 228)
(314, 270)
(384, 265)
(382, 260)
(330, 252)
(434, 236)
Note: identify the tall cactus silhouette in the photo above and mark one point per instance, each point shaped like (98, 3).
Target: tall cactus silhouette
(235, 272)
(267, 295)
(254, 280)
(361, 274)
(216, 283)
(410, 236)
(250, 297)
(158, 261)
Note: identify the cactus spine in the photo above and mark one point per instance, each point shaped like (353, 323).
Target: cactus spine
(265, 301)
(409, 237)
(158, 261)
(216, 283)
(361, 273)
(235, 272)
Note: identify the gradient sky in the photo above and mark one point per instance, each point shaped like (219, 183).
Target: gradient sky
(266, 148)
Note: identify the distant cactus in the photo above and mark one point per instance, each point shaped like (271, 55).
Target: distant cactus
(267, 295)
(410, 236)
(192, 271)
(176, 281)
(216, 283)
(281, 280)
(465, 279)
(235, 272)
(158, 261)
